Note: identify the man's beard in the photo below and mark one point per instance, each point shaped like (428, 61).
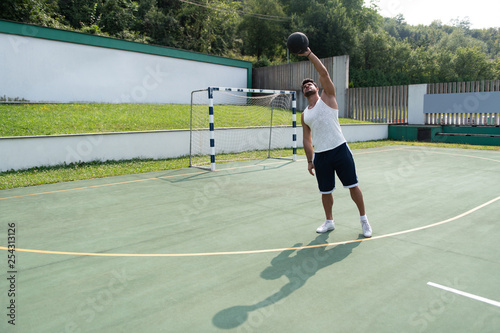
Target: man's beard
(309, 93)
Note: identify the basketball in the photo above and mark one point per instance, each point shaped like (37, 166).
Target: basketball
(297, 42)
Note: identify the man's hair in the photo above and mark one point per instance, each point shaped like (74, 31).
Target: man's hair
(307, 81)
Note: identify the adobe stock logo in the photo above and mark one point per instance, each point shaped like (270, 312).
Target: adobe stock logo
(99, 303)
(17, 41)
(436, 307)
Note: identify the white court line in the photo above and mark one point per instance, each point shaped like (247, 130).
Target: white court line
(462, 293)
(461, 155)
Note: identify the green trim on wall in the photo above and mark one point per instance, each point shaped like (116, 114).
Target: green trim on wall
(34, 31)
(472, 135)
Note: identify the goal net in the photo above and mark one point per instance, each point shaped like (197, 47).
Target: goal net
(232, 124)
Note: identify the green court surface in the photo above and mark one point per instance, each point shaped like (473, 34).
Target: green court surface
(236, 250)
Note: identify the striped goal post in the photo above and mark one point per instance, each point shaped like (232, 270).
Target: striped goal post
(258, 96)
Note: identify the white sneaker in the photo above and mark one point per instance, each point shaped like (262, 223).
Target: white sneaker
(326, 226)
(367, 229)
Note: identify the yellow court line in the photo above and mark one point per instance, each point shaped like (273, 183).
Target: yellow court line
(129, 182)
(259, 251)
(102, 185)
(234, 168)
(155, 178)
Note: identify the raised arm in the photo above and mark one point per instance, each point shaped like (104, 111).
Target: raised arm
(328, 95)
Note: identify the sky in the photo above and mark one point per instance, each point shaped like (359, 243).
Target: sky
(481, 13)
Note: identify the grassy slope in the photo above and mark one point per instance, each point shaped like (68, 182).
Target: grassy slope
(51, 119)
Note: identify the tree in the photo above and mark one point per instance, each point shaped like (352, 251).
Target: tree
(382, 50)
(20, 10)
(117, 15)
(40, 12)
(161, 26)
(462, 23)
(496, 68)
(263, 34)
(376, 49)
(458, 38)
(470, 64)
(80, 13)
(421, 66)
(330, 30)
(208, 29)
(11, 10)
(363, 17)
(444, 70)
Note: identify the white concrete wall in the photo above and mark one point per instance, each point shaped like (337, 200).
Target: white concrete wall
(340, 77)
(365, 132)
(26, 152)
(416, 93)
(44, 70)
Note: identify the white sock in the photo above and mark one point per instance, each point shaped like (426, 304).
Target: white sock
(363, 218)
(329, 221)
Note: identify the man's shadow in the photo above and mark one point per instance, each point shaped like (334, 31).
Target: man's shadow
(298, 269)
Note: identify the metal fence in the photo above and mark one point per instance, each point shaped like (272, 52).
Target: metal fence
(474, 119)
(378, 104)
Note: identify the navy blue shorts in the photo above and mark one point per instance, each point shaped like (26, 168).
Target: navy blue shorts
(338, 160)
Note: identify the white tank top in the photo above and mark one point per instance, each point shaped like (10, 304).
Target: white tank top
(325, 127)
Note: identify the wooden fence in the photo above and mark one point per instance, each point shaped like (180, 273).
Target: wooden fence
(287, 77)
(390, 104)
(374, 104)
(378, 104)
(474, 119)
(290, 76)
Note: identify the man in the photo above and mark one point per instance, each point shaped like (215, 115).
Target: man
(330, 155)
